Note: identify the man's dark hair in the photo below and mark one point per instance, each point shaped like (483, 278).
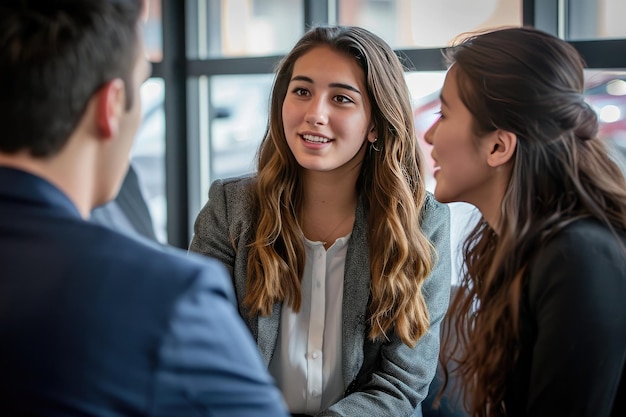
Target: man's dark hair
(54, 55)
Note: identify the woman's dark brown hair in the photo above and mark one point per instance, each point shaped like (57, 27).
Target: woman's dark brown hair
(529, 83)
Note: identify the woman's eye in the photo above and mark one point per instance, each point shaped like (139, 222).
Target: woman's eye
(439, 114)
(300, 91)
(343, 99)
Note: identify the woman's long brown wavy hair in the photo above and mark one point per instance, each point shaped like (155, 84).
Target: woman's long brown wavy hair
(530, 83)
(391, 185)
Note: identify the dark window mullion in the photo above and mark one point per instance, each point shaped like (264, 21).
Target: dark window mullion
(315, 13)
(173, 71)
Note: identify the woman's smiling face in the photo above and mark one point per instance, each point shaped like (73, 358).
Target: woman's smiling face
(326, 111)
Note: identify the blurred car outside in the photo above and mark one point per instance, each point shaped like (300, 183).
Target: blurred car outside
(239, 119)
(606, 93)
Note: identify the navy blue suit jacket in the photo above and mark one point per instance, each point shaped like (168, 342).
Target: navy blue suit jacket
(94, 323)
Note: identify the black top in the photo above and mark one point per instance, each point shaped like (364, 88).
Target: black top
(573, 327)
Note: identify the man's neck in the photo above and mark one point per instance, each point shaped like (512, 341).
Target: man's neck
(56, 171)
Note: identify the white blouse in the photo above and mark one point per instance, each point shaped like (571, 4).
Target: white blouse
(307, 361)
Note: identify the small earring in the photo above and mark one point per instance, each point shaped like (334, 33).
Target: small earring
(372, 146)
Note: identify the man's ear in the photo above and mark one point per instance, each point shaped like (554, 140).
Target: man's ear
(502, 148)
(110, 107)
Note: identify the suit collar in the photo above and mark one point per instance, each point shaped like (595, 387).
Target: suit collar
(22, 188)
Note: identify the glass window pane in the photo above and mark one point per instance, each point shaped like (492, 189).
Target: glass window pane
(152, 31)
(595, 19)
(230, 28)
(148, 154)
(427, 23)
(240, 110)
(606, 92)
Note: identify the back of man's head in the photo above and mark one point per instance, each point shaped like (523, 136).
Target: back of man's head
(54, 55)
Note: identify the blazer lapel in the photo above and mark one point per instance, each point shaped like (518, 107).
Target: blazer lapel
(356, 289)
(264, 329)
(268, 332)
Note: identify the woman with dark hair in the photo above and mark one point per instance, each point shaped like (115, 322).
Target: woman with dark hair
(339, 256)
(541, 323)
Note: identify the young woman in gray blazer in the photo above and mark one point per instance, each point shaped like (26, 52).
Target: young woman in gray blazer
(339, 256)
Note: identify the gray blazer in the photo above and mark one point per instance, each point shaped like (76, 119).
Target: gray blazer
(381, 379)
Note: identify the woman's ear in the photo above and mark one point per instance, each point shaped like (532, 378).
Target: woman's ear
(502, 148)
(110, 108)
(372, 135)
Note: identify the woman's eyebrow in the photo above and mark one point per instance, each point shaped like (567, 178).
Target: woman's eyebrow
(334, 85)
(346, 86)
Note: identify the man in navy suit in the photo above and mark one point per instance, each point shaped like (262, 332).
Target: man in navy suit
(92, 322)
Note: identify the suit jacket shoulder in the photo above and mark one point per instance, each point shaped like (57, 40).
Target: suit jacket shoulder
(91, 317)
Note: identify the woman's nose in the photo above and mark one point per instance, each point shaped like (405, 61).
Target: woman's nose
(428, 136)
(317, 112)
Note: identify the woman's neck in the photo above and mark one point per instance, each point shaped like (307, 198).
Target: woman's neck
(328, 207)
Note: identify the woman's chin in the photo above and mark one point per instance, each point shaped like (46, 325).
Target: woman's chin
(442, 196)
